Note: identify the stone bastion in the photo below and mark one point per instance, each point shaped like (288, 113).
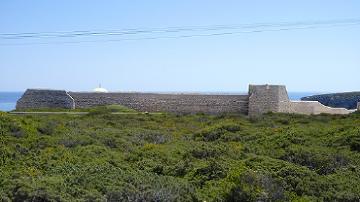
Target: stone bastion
(259, 100)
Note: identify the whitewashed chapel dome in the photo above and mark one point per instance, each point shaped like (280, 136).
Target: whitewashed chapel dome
(100, 90)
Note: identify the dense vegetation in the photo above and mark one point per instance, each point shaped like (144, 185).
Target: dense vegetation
(106, 157)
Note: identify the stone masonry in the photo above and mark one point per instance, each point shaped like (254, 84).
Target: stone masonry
(36, 98)
(177, 103)
(274, 98)
(267, 98)
(260, 99)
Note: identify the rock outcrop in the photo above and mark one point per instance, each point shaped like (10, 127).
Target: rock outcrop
(338, 100)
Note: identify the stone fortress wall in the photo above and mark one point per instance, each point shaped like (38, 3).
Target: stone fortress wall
(260, 99)
(265, 98)
(177, 103)
(274, 98)
(40, 98)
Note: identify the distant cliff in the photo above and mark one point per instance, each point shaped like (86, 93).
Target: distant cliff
(344, 100)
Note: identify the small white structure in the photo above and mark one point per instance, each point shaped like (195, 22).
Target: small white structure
(100, 90)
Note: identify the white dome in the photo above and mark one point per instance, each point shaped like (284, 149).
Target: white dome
(100, 90)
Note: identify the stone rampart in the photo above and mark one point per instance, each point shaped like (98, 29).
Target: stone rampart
(267, 98)
(35, 98)
(177, 103)
(260, 99)
(274, 98)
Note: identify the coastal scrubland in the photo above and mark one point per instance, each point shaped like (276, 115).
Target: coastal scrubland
(167, 157)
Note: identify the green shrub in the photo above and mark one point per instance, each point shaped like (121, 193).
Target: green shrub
(110, 142)
(252, 186)
(181, 168)
(353, 141)
(138, 157)
(355, 144)
(204, 151)
(212, 171)
(140, 187)
(108, 109)
(72, 142)
(48, 128)
(150, 136)
(322, 162)
(216, 132)
(16, 130)
(99, 111)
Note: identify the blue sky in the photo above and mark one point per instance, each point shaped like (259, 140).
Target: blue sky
(325, 59)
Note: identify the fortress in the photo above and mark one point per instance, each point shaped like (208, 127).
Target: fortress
(259, 100)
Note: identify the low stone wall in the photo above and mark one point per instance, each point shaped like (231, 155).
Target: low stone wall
(178, 103)
(315, 107)
(34, 98)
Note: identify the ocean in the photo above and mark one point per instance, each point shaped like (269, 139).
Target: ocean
(8, 99)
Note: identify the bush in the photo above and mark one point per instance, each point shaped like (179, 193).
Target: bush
(149, 136)
(48, 128)
(353, 141)
(355, 144)
(181, 168)
(110, 142)
(252, 186)
(72, 142)
(321, 162)
(204, 151)
(99, 111)
(216, 132)
(108, 109)
(140, 187)
(212, 171)
(179, 158)
(16, 130)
